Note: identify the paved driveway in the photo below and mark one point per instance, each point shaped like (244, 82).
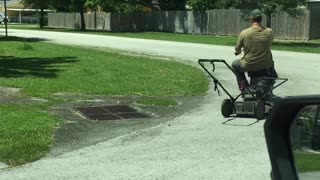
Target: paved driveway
(197, 145)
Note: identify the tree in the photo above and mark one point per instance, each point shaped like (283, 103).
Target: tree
(79, 6)
(167, 5)
(93, 5)
(38, 4)
(61, 5)
(201, 5)
(268, 7)
(73, 6)
(122, 5)
(138, 5)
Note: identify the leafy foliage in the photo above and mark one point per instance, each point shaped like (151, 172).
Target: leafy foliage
(38, 4)
(92, 4)
(271, 6)
(78, 6)
(61, 5)
(119, 6)
(138, 5)
(308, 122)
(201, 5)
(268, 7)
(172, 4)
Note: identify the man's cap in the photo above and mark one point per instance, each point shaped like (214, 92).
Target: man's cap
(255, 13)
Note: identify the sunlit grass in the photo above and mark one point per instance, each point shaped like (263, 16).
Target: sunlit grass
(41, 69)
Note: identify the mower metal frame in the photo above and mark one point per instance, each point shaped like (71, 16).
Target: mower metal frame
(246, 90)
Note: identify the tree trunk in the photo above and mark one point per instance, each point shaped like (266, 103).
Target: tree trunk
(83, 25)
(41, 23)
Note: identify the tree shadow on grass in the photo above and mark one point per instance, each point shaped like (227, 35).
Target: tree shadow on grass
(21, 39)
(15, 67)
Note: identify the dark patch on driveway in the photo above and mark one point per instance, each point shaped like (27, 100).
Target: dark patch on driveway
(79, 131)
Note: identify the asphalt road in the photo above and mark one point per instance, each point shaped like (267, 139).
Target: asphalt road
(200, 144)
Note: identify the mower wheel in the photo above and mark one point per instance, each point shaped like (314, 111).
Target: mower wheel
(260, 110)
(227, 108)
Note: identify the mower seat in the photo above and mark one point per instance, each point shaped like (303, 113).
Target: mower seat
(259, 82)
(259, 77)
(259, 74)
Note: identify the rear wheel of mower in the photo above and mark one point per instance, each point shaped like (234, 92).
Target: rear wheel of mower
(226, 108)
(260, 110)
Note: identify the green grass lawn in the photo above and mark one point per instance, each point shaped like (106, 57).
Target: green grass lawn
(42, 69)
(307, 162)
(26, 133)
(46, 68)
(295, 46)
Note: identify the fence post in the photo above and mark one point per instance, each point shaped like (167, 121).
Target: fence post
(315, 141)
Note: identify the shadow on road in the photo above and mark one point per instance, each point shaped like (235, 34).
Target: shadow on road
(231, 121)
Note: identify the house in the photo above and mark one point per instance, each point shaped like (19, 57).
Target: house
(17, 13)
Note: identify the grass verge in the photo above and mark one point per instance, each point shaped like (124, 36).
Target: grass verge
(47, 68)
(26, 133)
(283, 45)
(307, 162)
(42, 69)
(157, 102)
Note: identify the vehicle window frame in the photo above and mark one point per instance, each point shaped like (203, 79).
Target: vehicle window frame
(277, 134)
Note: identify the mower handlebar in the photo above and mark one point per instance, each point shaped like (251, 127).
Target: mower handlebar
(211, 60)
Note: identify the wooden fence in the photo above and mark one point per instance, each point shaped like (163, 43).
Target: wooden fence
(214, 22)
(288, 27)
(315, 22)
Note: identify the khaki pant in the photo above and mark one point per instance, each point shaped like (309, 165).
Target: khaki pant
(241, 77)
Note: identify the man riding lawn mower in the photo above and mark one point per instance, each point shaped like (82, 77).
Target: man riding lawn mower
(255, 43)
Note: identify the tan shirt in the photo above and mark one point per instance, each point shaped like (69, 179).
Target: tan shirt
(256, 43)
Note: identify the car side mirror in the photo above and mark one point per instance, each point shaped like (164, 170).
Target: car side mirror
(292, 136)
(305, 142)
